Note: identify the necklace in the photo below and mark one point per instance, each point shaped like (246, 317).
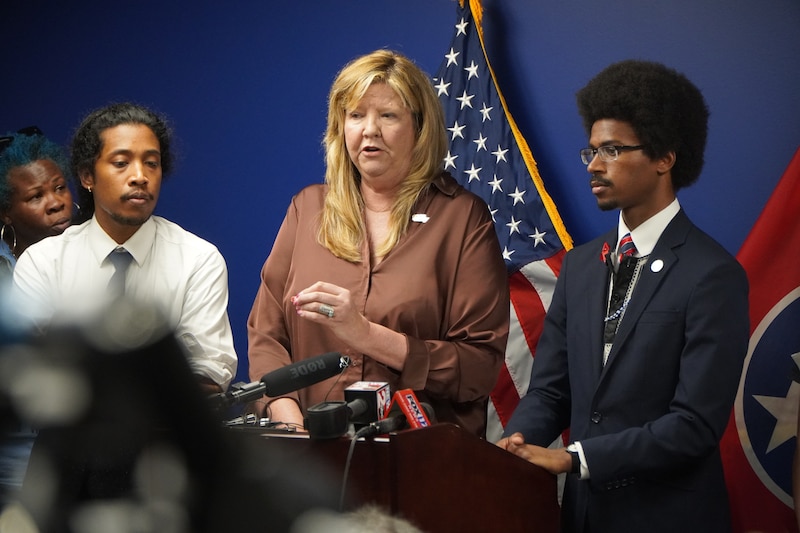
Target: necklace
(628, 293)
(618, 312)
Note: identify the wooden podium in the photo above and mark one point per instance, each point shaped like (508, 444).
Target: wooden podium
(441, 478)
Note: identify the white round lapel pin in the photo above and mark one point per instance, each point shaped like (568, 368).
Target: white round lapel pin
(657, 265)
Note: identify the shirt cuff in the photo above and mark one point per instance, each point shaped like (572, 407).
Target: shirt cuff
(576, 447)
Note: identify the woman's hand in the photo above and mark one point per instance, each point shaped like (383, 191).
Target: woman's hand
(331, 306)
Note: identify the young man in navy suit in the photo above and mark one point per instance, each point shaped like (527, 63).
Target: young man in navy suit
(646, 335)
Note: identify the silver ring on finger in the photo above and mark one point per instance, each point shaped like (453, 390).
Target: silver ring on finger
(325, 309)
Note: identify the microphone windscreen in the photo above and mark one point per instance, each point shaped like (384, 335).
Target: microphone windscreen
(304, 373)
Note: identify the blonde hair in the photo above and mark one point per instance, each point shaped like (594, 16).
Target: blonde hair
(342, 229)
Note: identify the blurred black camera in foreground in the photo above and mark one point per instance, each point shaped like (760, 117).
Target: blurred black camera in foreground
(126, 437)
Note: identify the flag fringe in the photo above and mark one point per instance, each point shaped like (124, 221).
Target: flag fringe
(477, 15)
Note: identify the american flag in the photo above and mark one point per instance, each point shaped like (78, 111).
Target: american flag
(488, 156)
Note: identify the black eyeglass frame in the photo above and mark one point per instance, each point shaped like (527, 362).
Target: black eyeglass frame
(607, 152)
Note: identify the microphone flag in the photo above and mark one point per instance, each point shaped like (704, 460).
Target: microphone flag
(410, 406)
(377, 396)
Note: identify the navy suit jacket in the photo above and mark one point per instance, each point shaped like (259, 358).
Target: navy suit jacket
(651, 419)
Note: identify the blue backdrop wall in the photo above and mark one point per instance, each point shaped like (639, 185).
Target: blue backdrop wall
(245, 85)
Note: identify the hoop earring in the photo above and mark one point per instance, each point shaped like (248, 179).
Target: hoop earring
(3, 236)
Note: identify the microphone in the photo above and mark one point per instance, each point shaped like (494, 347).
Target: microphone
(304, 373)
(389, 424)
(365, 402)
(411, 407)
(329, 420)
(406, 412)
(283, 380)
(375, 394)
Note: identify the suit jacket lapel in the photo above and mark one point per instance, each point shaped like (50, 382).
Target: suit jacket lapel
(659, 263)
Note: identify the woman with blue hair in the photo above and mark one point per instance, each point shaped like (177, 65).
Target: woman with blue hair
(35, 201)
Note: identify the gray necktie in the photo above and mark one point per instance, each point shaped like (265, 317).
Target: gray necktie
(121, 259)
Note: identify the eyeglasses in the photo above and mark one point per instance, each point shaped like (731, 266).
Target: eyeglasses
(6, 140)
(608, 152)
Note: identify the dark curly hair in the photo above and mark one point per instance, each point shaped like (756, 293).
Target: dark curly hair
(87, 143)
(23, 150)
(666, 110)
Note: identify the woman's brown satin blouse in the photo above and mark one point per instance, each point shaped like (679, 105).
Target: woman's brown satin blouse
(444, 286)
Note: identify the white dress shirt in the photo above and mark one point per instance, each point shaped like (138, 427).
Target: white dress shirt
(68, 275)
(646, 235)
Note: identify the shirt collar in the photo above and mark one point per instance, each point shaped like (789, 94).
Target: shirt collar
(446, 184)
(646, 235)
(138, 244)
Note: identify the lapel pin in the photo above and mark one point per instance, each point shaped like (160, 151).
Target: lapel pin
(604, 252)
(657, 265)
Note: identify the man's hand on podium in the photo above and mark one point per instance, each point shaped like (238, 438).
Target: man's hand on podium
(555, 461)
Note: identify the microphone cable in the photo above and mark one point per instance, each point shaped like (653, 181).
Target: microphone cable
(351, 449)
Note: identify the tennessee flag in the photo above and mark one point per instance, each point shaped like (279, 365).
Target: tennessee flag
(758, 445)
(489, 156)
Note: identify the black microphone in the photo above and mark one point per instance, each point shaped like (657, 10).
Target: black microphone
(304, 373)
(382, 427)
(365, 402)
(375, 394)
(330, 420)
(283, 380)
(396, 421)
